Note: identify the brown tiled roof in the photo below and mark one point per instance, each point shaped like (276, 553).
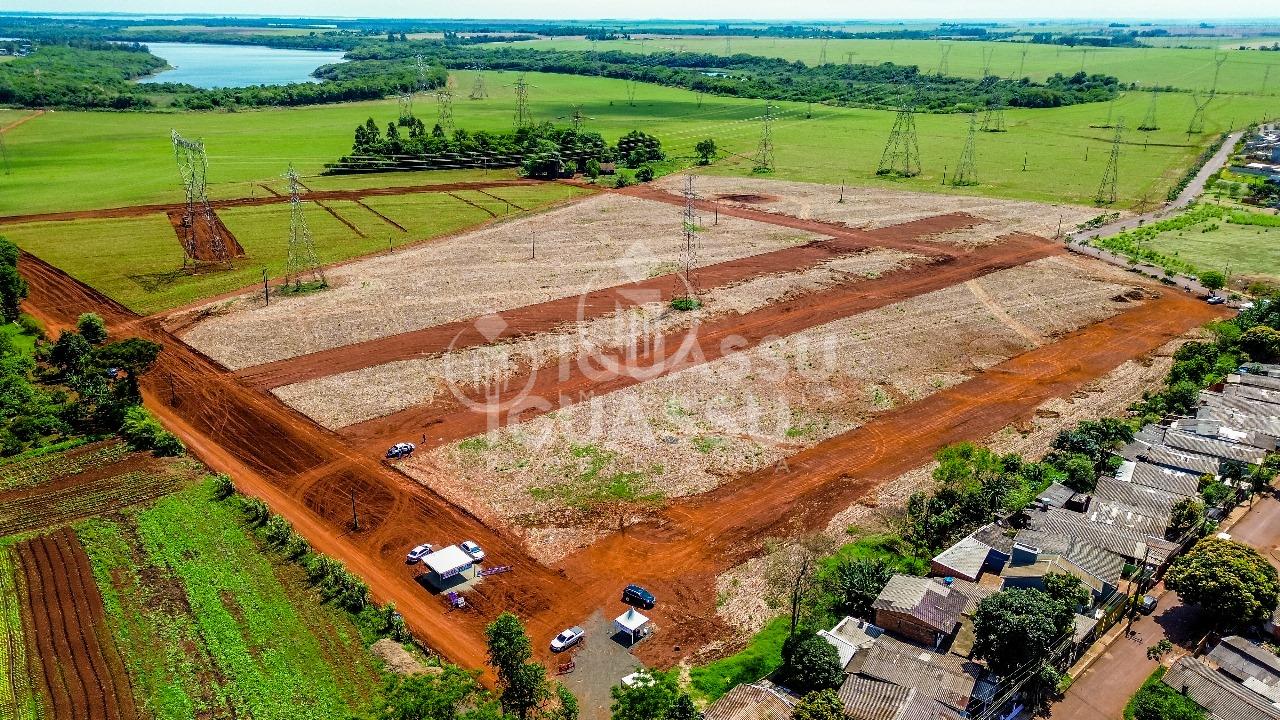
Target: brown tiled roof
(749, 702)
(930, 602)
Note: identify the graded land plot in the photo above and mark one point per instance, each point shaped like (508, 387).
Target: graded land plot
(687, 432)
(186, 573)
(73, 655)
(1185, 68)
(867, 208)
(72, 160)
(343, 399)
(601, 241)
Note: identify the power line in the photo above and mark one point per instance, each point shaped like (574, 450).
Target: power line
(1106, 194)
(993, 118)
(1196, 126)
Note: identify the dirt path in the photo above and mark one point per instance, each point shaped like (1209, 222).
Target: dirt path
(565, 382)
(542, 317)
(21, 120)
(82, 671)
(317, 196)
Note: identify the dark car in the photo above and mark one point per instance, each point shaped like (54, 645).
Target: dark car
(639, 597)
(1148, 604)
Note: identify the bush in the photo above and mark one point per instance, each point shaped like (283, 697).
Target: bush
(144, 432)
(1157, 701)
(644, 174)
(223, 488)
(810, 663)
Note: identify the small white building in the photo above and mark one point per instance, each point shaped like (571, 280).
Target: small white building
(632, 624)
(450, 562)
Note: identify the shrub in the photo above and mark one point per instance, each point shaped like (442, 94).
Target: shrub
(223, 487)
(144, 432)
(644, 174)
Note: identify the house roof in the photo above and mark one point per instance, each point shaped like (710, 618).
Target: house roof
(868, 699)
(1252, 392)
(1056, 495)
(849, 636)
(1164, 477)
(932, 603)
(1151, 501)
(447, 560)
(1053, 564)
(1102, 564)
(1242, 659)
(966, 557)
(994, 536)
(1226, 429)
(1220, 696)
(1209, 446)
(1118, 539)
(890, 660)
(750, 702)
(1111, 512)
(1263, 381)
(631, 620)
(1266, 423)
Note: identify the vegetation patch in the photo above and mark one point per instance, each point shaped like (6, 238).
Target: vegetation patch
(593, 480)
(761, 657)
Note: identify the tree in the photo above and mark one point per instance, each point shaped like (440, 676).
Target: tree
(644, 174)
(133, 355)
(1185, 516)
(451, 695)
(820, 705)
(509, 646)
(1261, 342)
(1018, 627)
(1228, 579)
(650, 697)
(71, 353)
(856, 583)
(1213, 280)
(791, 575)
(8, 252)
(683, 709)
(92, 328)
(1082, 475)
(811, 663)
(526, 690)
(1068, 589)
(566, 706)
(13, 290)
(593, 168)
(706, 149)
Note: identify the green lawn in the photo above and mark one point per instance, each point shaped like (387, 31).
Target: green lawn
(213, 626)
(26, 344)
(1245, 250)
(75, 160)
(1190, 69)
(761, 656)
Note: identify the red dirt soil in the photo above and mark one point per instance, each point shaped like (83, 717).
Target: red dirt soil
(144, 210)
(75, 658)
(542, 317)
(566, 382)
(204, 243)
(305, 474)
(21, 120)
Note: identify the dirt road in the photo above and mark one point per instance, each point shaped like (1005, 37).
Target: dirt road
(542, 317)
(565, 382)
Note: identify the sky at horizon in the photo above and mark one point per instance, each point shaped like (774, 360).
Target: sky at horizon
(679, 9)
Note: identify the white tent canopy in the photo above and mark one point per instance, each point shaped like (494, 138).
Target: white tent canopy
(449, 561)
(630, 622)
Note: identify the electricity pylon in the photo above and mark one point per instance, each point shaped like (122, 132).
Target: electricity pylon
(197, 217)
(901, 154)
(444, 109)
(944, 59)
(965, 173)
(523, 117)
(302, 250)
(1107, 188)
(993, 118)
(1196, 126)
(689, 250)
(478, 90)
(631, 92)
(1149, 121)
(822, 52)
(406, 107)
(764, 150)
(987, 54)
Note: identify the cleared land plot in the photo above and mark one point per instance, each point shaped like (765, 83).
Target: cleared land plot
(74, 658)
(347, 398)
(599, 242)
(867, 207)
(138, 261)
(688, 432)
(185, 573)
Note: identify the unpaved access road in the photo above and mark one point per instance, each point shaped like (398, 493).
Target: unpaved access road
(309, 475)
(546, 316)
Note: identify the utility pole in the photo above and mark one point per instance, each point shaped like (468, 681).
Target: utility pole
(1106, 194)
(822, 51)
(965, 173)
(1021, 64)
(266, 294)
(764, 150)
(1196, 126)
(987, 54)
(4, 155)
(631, 92)
(901, 154)
(689, 249)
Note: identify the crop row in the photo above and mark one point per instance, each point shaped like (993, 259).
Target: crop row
(18, 698)
(92, 498)
(43, 469)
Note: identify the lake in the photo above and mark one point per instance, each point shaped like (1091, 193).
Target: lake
(210, 66)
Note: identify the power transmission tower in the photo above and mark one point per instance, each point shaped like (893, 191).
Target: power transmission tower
(764, 151)
(406, 107)
(728, 48)
(1218, 60)
(444, 109)
(631, 92)
(1022, 63)
(944, 59)
(993, 118)
(1149, 121)
(965, 173)
(523, 118)
(987, 54)
(302, 250)
(822, 52)
(1107, 188)
(1196, 125)
(197, 217)
(689, 249)
(901, 154)
(1111, 107)
(422, 73)
(4, 156)
(478, 90)
(848, 57)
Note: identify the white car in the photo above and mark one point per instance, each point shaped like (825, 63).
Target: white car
(567, 639)
(471, 548)
(418, 553)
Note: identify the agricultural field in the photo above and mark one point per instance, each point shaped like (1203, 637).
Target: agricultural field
(173, 608)
(138, 260)
(1188, 69)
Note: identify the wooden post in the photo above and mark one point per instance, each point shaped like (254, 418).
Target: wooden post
(390, 245)
(266, 294)
(355, 519)
(841, 200)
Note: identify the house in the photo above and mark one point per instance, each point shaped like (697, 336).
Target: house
(919, 609)
(1036, 555)
(1166, 470)
(755, 701)
(1180, 440)
(1152, 502)
(946, 678)
(1251, 665)
(1132, 545)
(985, 550)
(1221, 697)
(1102, 564)
(849, 636)
(867, 699)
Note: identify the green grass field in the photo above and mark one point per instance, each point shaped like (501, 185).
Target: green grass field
(137, 260)
(211, 626)
(71, 160)
(1189, 69)
(1241, 250)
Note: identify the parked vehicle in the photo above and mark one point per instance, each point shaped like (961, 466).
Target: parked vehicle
(471, 548)
(400, 450)
(1148, 604)
(1215, 299)
(567, 639)
(418, 553)
(639, 597)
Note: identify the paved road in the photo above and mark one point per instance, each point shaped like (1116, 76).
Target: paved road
(1103, 690)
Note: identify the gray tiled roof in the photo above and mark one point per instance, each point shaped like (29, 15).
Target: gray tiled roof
(1262, 381)
(1220, 696)
(1153, 501)
(1243, 419)
(1110, 512)
(1241, 659)
(1211, 399)
(1120, 540)
(1053, 564)
(749, 702)
(1249, 392)
(1056, 495)
(1209, 446)
(930, 602)
(867, 699)
(1162, 477)
(901, 663)
(1102, 564)
(965, 557)
(994, 536)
